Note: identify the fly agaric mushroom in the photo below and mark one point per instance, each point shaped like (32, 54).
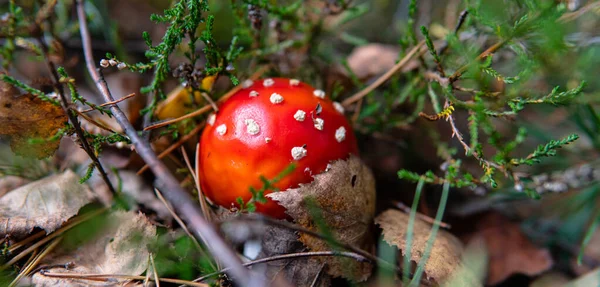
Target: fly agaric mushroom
(261, 130)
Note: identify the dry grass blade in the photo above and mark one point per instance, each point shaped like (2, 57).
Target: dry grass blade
(154, 273)
(31, 265)
(53, 235)
(107, 277)
(203, 205)
(354, 98)
(27, 240)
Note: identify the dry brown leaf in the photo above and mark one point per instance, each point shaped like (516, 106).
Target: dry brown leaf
(10, 182)
(179, 101)
(24, 117)
(445, 255)
(345, 196)
(46, 203)
(301, 272)
(510, 252)
(374, 59)
(120, 248)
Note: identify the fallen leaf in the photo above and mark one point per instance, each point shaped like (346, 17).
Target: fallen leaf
(25, 117)
(373, 59)
(179, 101)
(509, 251)
(120, 248)
(301, 272)
(9, 182)
(445, 255)
(46, 203)
(345, 197)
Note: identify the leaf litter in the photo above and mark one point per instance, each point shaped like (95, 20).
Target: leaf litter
(345, 198)
(121, 247)
(46, 204)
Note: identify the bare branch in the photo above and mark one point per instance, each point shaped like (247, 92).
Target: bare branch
(165, 180)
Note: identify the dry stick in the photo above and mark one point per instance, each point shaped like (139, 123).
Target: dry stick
(72, 118)
(205, 108)
(105, 277)
(58, 232)
(165, 181)
(355, 256)
(384, 77)
(92, 121)
(36, 261)
(111, 103)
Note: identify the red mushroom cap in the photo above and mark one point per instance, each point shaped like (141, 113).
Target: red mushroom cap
(261, 130)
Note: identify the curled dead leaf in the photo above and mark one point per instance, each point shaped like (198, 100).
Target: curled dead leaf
(25, 117)
(510, 251)
(445, 255)
(345, 198)
(46, 203)
(119, 248)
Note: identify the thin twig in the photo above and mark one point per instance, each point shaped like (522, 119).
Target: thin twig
(362, 93)
(165, 180)
(205, 108)
(295, 227)
(105, 277)
(111, 103)
(355, 256)
(72, 118)
(92, 121)
(481, 56)
(174, 146)
(576, 14)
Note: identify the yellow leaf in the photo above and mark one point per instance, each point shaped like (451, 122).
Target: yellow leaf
(25, 117)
